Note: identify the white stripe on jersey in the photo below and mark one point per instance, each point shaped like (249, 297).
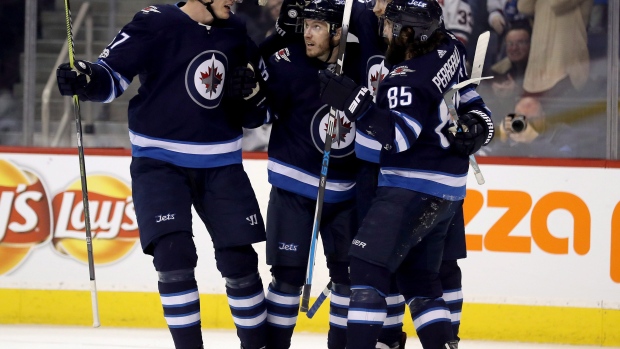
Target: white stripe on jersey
(451, 181)
(186, 148)
(306, 178)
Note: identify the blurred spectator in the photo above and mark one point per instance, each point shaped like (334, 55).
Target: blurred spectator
(508, 73)
(527, 133)
(559, 61)
(598, 17)
(458, 18)
(260, 20)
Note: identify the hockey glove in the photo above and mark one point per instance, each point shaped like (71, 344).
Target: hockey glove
(72, 83)
(342, 93)
(290, 11)
(471, 135)
(243, 83)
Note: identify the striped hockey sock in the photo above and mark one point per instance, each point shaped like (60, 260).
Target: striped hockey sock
(249, 313)
(182, 312)
(282, 310)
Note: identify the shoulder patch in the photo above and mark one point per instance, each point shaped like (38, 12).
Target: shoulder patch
(401, 71)
(282, 54)
(148, 9)
(441, 53)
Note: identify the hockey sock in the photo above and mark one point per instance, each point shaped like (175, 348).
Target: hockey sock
(431, 319)
(338, 312)
(392, 330)
(367, 312)
(247, 306)
(282, 310)
(454, 300)
(182, 312)
(451, 276)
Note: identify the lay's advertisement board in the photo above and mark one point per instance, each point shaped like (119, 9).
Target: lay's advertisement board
(543, 239)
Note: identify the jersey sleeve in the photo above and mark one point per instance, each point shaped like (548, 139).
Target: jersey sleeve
(124, 57)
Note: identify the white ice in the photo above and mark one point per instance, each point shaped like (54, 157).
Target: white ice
(70, 337)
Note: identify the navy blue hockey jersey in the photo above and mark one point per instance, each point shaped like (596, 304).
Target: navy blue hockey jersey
(180, 114)
(420, 158)
(365, 26)
(299, 128)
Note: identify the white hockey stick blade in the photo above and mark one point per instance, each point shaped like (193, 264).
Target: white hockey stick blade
(479, 56)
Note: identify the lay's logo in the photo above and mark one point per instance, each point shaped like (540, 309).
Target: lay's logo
(114, 227)
(25, 219)
(28, 218)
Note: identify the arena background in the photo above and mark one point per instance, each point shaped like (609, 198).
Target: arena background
(543, 240)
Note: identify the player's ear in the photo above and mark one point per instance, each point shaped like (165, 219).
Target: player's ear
(338, 34)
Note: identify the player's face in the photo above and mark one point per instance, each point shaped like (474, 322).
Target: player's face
(316, 36)
(222, 8)
(388, 26)
(380, 6)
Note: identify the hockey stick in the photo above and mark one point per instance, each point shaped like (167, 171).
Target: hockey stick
(305, 297)
(320, 300)
(78, 126)
(475, 78)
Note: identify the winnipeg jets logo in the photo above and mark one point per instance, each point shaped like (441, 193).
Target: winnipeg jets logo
(343, 138)
(211, 79)
(376, 72)
(150, 9)
(205, 78)
(282, 54)
(441, 53)
(401, 71)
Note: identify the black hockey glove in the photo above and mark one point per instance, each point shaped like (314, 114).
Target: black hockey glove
(242, 83)
(472, 133)
(342, 93)
(290, 11)
(72, 83)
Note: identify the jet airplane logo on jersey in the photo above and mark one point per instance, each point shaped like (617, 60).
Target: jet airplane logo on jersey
(343, 138)
(401, 71)
(283, 54)
(205, 78)
(150, 9)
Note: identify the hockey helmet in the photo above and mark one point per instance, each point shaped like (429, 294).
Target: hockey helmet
(330, 11)
(425, 17)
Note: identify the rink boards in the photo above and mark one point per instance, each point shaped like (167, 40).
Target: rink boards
(543, 248)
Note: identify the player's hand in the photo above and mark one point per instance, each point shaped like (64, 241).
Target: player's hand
(74, 82)
(342, 93)
(290, 11)
(471, 136)
(243, 84)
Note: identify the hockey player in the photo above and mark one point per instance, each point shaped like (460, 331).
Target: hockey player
(295, 152)
(464, 143)
(363, 29)
(422, 180)
(197, 70)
